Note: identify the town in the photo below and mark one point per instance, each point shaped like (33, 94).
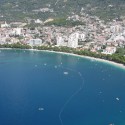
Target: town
(94, 35)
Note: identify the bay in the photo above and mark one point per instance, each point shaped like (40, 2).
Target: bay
(41, 88)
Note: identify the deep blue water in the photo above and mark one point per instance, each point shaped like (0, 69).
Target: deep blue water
(68, 89)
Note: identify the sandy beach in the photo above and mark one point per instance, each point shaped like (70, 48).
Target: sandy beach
(72, 54)
(87, 57)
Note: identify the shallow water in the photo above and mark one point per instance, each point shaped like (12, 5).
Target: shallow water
(39, 88)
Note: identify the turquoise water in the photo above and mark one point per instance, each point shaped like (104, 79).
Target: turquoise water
(40, 88)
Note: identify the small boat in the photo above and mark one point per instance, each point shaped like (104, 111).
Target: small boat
(66, 73)
(117, 99)
(40, 109)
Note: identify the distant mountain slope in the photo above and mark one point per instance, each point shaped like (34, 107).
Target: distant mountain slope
(20, 9)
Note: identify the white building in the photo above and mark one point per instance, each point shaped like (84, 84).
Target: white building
(73, 40)
(116, 29)
(119, 38)
(16, 31)
(38, 21)
(5, 25)
(35, 42)
(2, 41)
(82, 37)
(60, 41)
(109, 50)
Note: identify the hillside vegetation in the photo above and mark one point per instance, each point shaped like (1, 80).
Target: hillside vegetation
(22, 9)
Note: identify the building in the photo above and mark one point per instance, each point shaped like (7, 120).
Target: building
(82, 37)
(119, 38)
(76, 39)
(5, 25)
(35, 42)
(16, 32)
(73, 40)
(38, 21)
(109, 50)
(60, 41)
(116, 29)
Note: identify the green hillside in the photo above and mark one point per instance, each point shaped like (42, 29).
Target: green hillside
(22, 9)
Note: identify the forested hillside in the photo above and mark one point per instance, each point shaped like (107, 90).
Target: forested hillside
(22, 9)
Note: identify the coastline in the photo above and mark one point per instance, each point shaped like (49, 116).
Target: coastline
(121, 66)
(88, 57)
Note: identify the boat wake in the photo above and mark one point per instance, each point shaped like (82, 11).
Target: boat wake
(73, 95)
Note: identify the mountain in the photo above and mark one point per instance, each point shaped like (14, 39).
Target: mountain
(21, 9)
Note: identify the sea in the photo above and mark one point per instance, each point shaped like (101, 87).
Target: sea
(43, 88)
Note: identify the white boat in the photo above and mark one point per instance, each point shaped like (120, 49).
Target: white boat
(40, 109)
(66, 73)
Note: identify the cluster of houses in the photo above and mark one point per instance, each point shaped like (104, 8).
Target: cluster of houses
(95, 35)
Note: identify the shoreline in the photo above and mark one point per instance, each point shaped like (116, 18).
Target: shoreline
(121, 66)
(88, 57)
